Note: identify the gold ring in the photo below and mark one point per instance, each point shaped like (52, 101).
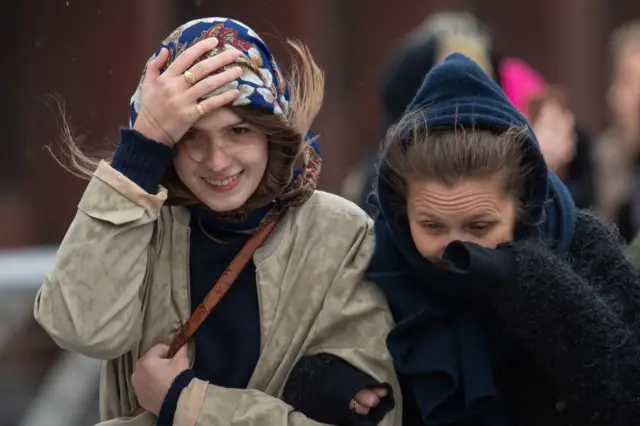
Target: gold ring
(200, 110)
(354, 405)
(189, 77)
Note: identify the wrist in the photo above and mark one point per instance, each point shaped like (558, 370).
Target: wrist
(167, 410)
(151, 131)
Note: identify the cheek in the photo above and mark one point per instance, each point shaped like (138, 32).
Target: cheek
(497, 236)
(185, 166)
(502, 232)
(255, 157)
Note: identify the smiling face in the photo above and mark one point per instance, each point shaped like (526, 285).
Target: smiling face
(472, 210)
(222, 160)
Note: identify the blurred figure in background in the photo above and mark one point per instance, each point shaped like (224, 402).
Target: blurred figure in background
(415, 55)
(565, 146)
(618, 171)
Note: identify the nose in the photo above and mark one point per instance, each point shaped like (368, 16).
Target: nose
(448, 239)
(218, 159)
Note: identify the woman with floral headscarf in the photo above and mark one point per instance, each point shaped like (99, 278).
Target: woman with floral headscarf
(218, 285)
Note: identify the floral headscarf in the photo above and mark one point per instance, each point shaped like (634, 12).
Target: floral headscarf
(261, 86)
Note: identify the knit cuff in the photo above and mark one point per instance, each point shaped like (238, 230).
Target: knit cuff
(322, 386)
(168, 409)
(142, 160)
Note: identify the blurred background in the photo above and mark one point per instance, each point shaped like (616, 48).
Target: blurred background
(90, 54)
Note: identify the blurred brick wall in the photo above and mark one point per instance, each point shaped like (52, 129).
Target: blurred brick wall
(92, 53)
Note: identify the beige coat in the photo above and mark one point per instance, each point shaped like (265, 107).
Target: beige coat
(121, 284)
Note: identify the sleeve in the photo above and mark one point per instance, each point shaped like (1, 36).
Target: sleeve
(352, 325)
(142, 160)
(170, 402)
(579, 319)
(90, 302)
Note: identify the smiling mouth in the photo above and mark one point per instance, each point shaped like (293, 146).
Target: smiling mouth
(222, 184)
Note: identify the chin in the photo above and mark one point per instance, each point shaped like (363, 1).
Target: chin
(225, 202)
(224, 205)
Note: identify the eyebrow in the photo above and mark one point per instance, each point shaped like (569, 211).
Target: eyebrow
(235, 123)
(426, 215)
(479, 216)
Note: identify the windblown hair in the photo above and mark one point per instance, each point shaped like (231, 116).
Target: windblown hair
(286, 137)
(410, 152)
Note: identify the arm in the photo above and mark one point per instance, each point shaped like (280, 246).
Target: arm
(578, 320)
(352, 325)
(90, 302)
(322, 387)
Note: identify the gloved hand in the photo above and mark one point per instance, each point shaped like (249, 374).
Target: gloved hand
(480, 264)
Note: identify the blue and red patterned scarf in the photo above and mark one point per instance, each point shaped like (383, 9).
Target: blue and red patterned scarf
(261, 86)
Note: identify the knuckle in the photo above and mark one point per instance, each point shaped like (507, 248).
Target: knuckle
(197, 71)
(227, 76)
(185, 116)
(173, 104)
(165, 85)
(213, 82)
(162, 79)
(231, 95)
(227, 56)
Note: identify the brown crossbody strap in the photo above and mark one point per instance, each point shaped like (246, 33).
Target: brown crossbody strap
(224, 283)
(221, 287)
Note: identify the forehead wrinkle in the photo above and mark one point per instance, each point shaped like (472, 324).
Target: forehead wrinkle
(426, 202)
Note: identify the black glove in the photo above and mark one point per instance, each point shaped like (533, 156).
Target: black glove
(482, 265)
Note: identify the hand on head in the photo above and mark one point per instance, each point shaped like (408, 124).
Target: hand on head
(170, 100)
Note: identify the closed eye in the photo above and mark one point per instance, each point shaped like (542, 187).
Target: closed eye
(480, 227)
(432, 226)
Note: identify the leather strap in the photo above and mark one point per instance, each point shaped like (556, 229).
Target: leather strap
(223, 284)
(221, 287)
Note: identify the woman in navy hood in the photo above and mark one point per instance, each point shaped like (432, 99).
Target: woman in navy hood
(511, 307)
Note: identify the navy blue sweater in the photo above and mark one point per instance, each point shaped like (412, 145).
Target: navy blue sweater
(228, 342)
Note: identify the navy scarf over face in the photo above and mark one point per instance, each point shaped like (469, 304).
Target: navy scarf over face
(447, 346)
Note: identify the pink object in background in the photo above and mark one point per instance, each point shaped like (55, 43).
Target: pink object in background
(520, 82)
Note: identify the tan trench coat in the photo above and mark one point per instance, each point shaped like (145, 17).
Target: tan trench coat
(121, 284)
